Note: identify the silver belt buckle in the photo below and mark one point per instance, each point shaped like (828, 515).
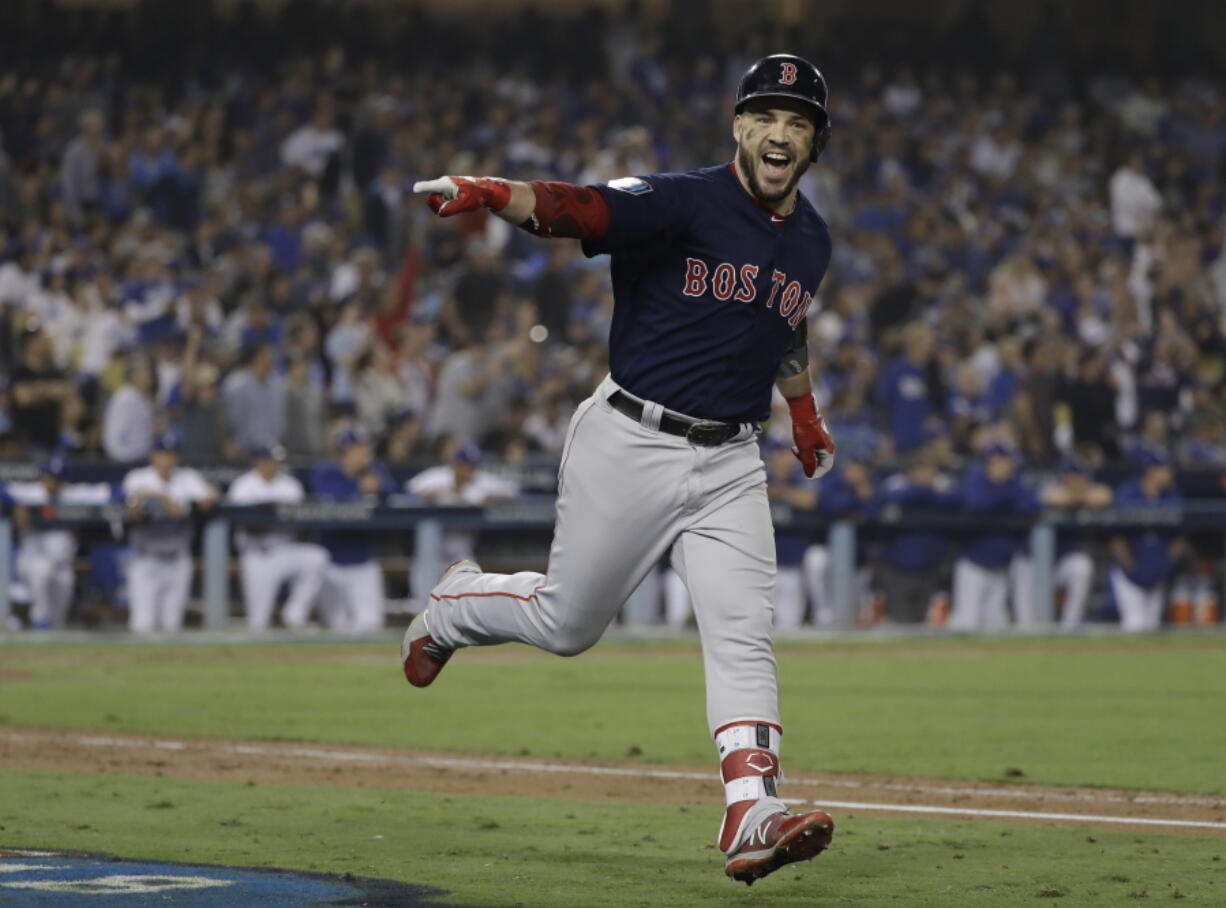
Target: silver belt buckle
(706, 434)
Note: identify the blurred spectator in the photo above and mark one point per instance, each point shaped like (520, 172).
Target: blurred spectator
(1090, 396)
(786, 483)
(127, 429)
(477, 298)
(160, 500)
(255, 401)
(1035, 402)
(914, 563)
(46, 552)
(348, 339)
(460, 481)
(547, 425)
(1074, 569)
(462, 384)
(903, 390)
(305, 412)
(986, 568)
(268, 192)
(39, 390)
(353, 594)
(1145, 559)
(1135, 201)
(315, 146)
(406, 441)
(845, 491)
(79, 169)
(271, 558)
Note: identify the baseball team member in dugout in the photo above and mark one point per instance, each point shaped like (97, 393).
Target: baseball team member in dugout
(713, 273)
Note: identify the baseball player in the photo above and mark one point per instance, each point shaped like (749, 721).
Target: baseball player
(913, 559)
(268, 559)
(353, 594)
(1074, 488)
(713, 273)
(45, 553)
(1144, 560)
(460, 482)
(844, 492)
(986, 569)
(161, 499)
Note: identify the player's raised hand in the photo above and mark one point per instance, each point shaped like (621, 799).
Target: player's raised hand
(812, 442)
(454, 195)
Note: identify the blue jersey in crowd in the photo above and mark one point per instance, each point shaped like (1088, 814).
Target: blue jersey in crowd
(790, 545)
(838, 499)
(709, 288)
(995, 547)
(915, 549)
(1151, 549)
(903, 392)
(330, 483)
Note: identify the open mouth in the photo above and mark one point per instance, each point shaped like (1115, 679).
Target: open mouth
(775, 164)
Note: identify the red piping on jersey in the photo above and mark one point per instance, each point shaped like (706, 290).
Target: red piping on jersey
(567, 210)
(777, 219)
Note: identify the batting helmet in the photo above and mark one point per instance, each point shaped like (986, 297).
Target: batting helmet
(788, 76)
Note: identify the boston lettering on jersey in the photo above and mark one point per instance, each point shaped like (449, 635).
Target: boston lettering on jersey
(792, 305)
(708, 289)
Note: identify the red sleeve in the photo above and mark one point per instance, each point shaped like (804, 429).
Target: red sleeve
(567, 210)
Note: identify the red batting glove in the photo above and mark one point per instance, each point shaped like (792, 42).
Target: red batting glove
(455, 195)
(813, 444)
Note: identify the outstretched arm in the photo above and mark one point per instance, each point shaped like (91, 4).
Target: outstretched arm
(547, 209)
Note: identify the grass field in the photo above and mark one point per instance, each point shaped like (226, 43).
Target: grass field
(1116, 712)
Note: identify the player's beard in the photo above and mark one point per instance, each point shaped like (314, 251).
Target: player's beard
(749, 167)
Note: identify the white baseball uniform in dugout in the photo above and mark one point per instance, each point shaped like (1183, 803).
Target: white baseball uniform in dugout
(45, 554)
(268, 559)
(160, 571)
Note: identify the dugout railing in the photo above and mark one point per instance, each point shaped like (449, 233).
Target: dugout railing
(423, 527)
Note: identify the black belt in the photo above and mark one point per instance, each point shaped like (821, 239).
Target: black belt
(703, 433)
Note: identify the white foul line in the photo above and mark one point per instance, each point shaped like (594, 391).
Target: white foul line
(321, 753)
(1019, 814)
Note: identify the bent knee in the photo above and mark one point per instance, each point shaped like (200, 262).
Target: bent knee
(573, 641)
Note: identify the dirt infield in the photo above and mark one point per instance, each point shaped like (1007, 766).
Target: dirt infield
(314, 764)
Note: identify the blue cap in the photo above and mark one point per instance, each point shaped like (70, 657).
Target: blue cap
(468, 453)
(347, 438)
(167, 441)
(1148, 456)
(55, 465)
(259, 452)
(404, 414)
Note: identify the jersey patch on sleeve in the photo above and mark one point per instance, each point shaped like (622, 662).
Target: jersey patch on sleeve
(632, 185)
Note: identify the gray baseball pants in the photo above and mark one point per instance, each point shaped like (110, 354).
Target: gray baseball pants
(627, 493)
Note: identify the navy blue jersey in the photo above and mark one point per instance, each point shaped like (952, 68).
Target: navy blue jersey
(915, 549)
(709, 288)
(1151, 548)
(994, 547)
(330, 483)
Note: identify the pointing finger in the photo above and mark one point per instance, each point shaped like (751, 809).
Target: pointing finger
(445, 186)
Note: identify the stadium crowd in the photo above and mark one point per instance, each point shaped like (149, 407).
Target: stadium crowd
(228, 249)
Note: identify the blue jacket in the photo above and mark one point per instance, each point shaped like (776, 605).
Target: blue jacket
(995, 548)
(1151, 548)
(330, 483)
(915, 549)
(903, 392)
